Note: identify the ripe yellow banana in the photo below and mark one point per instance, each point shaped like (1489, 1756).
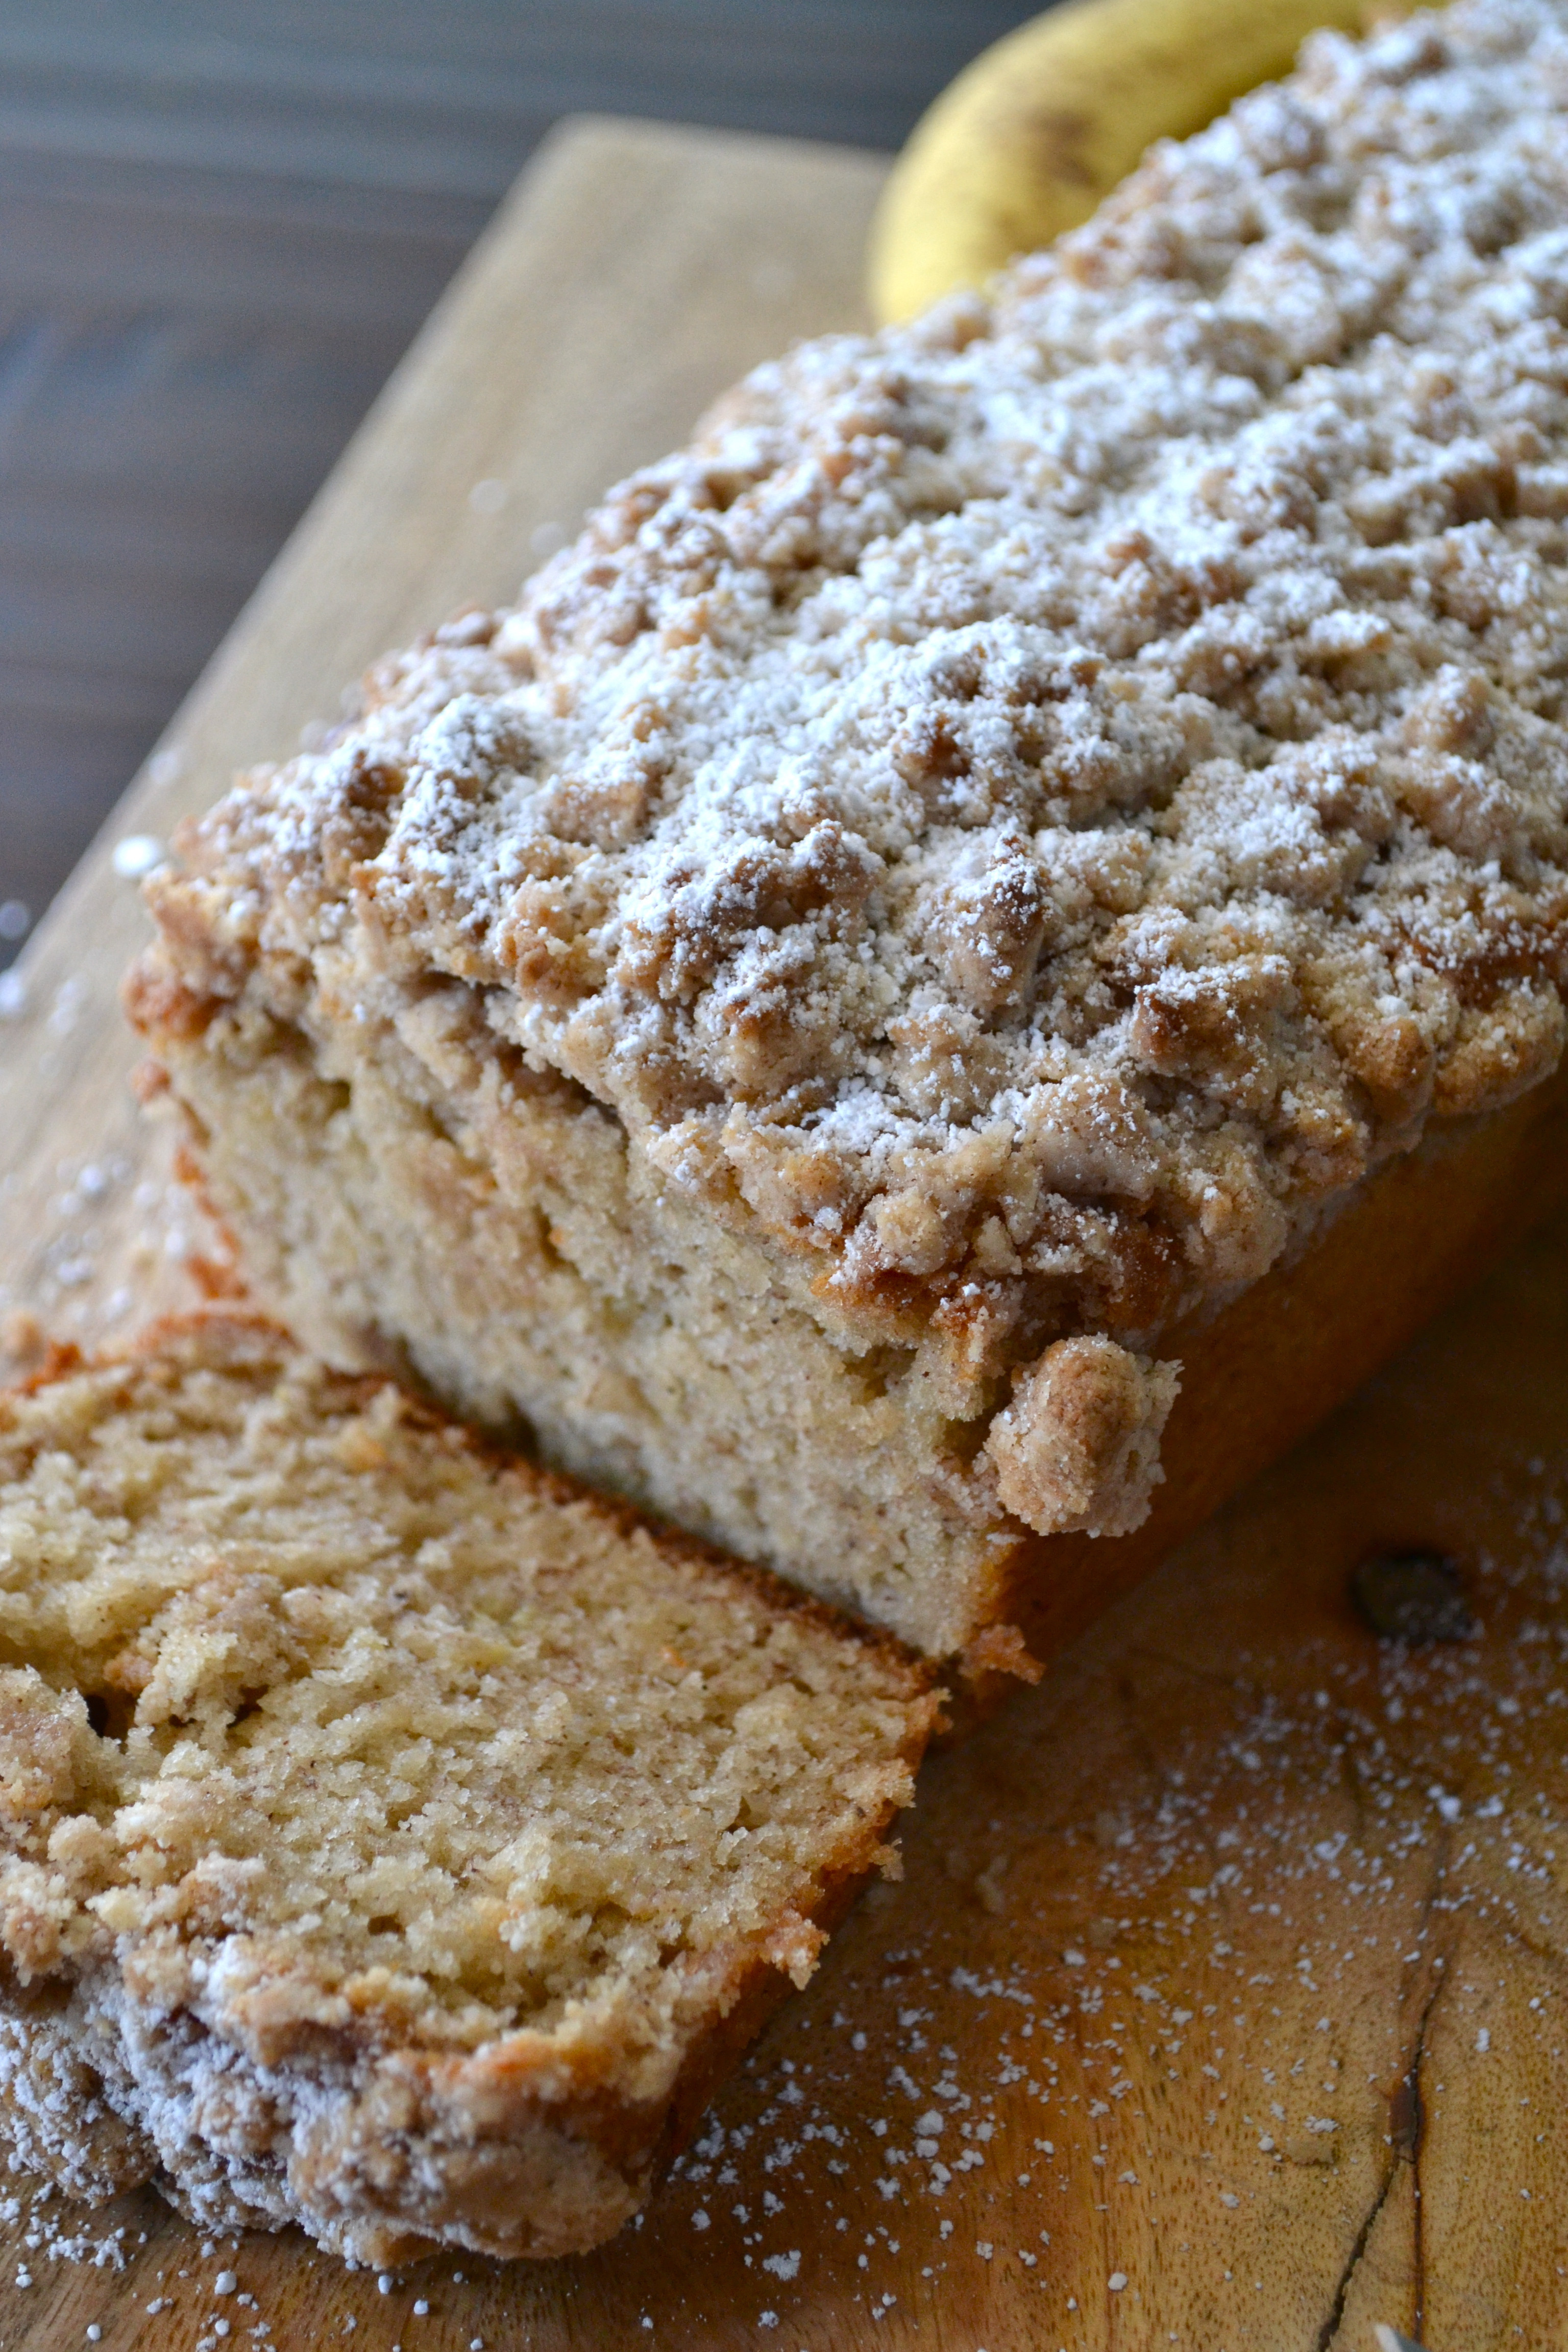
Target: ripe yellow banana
(1030, 137)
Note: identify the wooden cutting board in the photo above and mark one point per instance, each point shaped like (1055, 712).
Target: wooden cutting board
(1223, 2004)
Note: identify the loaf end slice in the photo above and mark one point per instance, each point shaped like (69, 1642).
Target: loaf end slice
(394, 1839)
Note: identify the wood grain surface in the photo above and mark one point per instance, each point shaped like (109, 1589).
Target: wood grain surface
(1222, 2004)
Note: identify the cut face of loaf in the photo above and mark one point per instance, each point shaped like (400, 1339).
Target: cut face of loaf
(393, 1839)
(959, 876)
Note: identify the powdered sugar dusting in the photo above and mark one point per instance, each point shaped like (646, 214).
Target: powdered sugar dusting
(1029, 806)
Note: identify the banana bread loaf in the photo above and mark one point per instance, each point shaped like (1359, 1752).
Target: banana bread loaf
(979, 865)
(393, 1839)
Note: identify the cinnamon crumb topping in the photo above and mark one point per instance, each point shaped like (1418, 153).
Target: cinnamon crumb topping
(1029, 806)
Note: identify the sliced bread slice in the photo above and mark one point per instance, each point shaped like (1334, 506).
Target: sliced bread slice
(394, 1839)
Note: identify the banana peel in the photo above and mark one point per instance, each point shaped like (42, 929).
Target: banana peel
(1045, 124)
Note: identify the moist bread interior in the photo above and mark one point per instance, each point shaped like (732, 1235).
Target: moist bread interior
(373, 1816)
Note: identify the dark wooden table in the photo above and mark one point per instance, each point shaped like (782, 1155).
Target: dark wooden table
(221, 222)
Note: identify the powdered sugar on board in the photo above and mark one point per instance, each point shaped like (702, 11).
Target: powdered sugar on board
(107, 1241)
(1211, 1953)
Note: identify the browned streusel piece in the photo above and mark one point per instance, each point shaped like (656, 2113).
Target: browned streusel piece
(1007, 829)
